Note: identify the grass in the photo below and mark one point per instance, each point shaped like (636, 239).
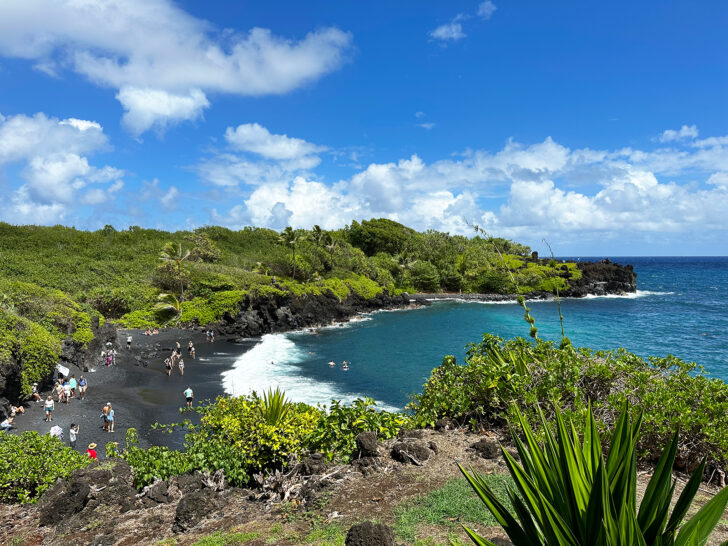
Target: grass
(220, 538)
(331, 534)
(449, 506)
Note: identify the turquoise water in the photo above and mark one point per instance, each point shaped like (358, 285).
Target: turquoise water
(680, 308)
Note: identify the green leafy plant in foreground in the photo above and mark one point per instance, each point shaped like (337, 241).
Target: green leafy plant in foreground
(274, 406)
(30, 463)
(571, 495)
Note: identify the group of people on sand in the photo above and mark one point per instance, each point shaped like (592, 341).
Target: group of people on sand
(344, 364)
(65, 389)
(175, 359)
(151, 331)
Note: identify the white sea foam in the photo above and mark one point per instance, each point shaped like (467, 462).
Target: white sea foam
(629, 295)
(272, 363)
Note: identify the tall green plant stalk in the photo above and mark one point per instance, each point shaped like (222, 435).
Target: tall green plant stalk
(570, 495)
(564, 340)
(533, 331)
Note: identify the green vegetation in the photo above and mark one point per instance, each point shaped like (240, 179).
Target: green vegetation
(220, 538)
(251, 434)
(497, 374)
(31, 463)
(450, 505)
(121, 273)
(571, 495)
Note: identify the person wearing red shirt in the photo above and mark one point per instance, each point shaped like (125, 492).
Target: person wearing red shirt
(91, 451)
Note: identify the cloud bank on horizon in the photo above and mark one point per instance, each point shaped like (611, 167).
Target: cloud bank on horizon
(165, 67)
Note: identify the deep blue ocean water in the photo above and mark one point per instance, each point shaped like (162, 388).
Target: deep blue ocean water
(681, 308)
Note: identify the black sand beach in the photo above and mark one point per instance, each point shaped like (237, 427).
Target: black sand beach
(139, 389)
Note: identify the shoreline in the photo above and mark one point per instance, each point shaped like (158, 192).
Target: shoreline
(139, 390)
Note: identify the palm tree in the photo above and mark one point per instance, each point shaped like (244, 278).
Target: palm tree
(317, 235)
(168, 303)
(289, 237)
(172, 253)
(331, 245)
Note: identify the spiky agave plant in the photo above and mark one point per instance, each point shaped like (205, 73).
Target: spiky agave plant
(572, 496)
(274, 406)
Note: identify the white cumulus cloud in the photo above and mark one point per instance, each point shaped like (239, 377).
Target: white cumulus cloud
(486, 9)
(148, 108)
(451, 31)
(684, 132)
(55, 173)
(252, 137)
(140, 47)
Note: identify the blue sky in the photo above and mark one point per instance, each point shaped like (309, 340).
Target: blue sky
(601, 127)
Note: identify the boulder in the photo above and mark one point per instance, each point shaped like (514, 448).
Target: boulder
(370, 534)
(411, 452)
(487, 448)
(159, 493)
(192, 508)
(62, 501)
(188, 483)
(313, 464)
(367, 445)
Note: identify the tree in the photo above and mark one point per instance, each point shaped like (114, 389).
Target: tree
(168, 304)
(425, 276)
(331, 244)
(317, 235)
(174, 254)
(379, 235)
(204, 250)
(290, 238)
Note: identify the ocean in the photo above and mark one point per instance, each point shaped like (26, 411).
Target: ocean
(680, 308)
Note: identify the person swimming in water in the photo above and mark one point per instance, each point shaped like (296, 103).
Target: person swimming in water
(332, 363)
(345, 365)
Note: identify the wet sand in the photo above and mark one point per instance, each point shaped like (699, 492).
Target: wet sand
(140, 395)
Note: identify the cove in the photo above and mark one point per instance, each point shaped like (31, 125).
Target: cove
(679, 309)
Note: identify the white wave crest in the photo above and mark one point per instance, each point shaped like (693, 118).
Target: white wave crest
(629, 295)
(271, 364)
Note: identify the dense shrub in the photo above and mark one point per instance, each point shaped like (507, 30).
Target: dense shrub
(31, 345)
(424, 277)
(31, 463)
(207, 310)
(246, 435)
(337, 427)
(673, 393)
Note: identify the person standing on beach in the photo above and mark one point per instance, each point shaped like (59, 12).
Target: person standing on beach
(82, 384)
(110, 419)
(72, 384)
(128, 341)
(181, 366)
(58, 389)
(189, 395)
(168, 366)
(49, 405)
(104, 415)
(72, 435)
(91, 451)
(66, 391)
